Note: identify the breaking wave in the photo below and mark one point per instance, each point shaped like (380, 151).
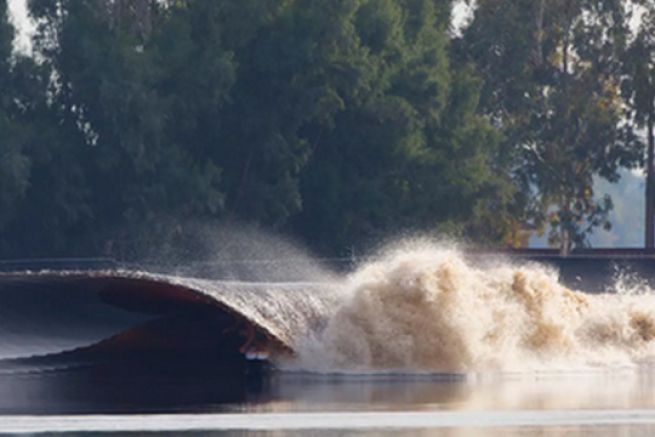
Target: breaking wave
(429, 308)
(421, 307)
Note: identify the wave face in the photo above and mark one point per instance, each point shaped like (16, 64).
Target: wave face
(285, 310)
(426, 308)
(50, 313)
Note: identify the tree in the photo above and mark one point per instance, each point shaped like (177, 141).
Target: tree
(405, 148)
(638, 89)
(282, 83)
(110, 101)
(21, 93)
(14, 164)
(552, 86)
(341, 122)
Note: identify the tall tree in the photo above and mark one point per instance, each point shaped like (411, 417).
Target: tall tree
(105, 96)
(404, 147)
(14, 161)
(639, 92)
(283, 59)
(552, 85)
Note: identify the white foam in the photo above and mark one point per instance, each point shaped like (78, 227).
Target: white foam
(428, 308)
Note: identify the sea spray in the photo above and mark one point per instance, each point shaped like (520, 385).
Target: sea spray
(425, 307)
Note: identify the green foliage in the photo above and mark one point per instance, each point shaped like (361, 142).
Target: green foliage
(405, 148)
(340, 122)
(116, 105)
(638, 86)
(14, 164)
(638, 91)
(552, 71)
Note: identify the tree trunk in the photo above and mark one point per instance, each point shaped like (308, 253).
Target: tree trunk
(565, 234)
(565, 244)
(650, 186)
(540, 33)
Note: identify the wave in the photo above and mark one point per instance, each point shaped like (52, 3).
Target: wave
(99, 314)
(421, 308)
(429, 308)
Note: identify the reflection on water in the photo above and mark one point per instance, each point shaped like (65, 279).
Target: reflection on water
(632, 389)
(557, 431)
(357, 423)
(93, 390)
(582, 404)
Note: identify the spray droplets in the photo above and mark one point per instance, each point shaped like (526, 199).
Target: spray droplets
(427, 308)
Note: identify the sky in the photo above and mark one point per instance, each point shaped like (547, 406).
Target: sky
(629, 210)
(628, 194)
(18, 11)
(627, 217)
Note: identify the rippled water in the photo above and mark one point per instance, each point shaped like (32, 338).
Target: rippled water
(136, 401)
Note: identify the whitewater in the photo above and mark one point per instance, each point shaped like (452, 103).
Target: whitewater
(424, 307)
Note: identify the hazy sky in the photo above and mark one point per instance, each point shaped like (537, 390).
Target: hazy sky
(627, 217)
(18, 12)
(628, 195)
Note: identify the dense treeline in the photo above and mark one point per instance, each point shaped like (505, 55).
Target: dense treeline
(337, 122)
